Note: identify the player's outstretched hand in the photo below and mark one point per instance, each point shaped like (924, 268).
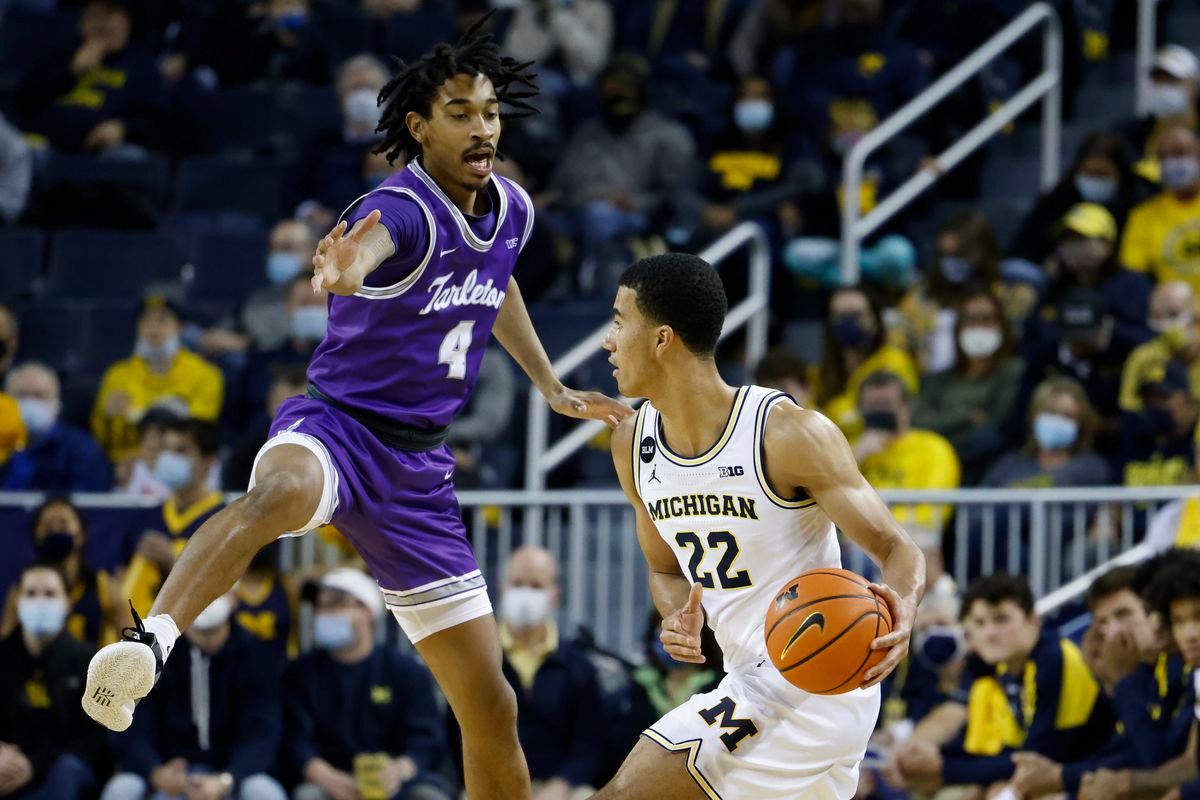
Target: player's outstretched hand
(896, 642)
(589, 405)
(681, 630)
(336, 254)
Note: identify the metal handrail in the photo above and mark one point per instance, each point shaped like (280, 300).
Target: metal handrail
(1046, 87)
(1147, 36)
(540, 457)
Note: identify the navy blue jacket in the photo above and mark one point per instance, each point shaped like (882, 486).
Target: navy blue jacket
(383, 704)
(244, 715)
(65, 459)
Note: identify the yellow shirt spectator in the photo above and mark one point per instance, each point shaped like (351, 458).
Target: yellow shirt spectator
(1162, 238)
(915, 460)
(1172, 311)
(843, 409)
(159, 368)
(12, 431)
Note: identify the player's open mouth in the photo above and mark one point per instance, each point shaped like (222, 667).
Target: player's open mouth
(480, 161)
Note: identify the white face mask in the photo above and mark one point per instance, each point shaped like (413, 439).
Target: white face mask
(524, 606)
(361, 110)
(42, 616)
(216, 615)
(38, 415)
(1167, 100)
(980, 342)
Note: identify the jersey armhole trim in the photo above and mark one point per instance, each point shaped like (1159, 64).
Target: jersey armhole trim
(692, 748)
(760, 438)
(402, 286)
(635, 447)
(529, 214)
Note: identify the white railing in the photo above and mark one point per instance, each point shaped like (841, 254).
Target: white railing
(1045, 87)
(541, 458)
(1147, 40)
(1043, 533)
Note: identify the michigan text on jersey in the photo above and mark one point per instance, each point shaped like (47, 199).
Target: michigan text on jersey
(706, 505)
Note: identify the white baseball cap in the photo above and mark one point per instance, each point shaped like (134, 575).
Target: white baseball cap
(358, 584)
(1178, 62)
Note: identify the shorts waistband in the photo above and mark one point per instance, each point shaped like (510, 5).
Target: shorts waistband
(390, 433)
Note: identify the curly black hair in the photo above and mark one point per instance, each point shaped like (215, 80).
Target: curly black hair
(416, 85)
(1178, 578)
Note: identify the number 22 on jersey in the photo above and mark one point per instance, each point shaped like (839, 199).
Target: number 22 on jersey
(453, 352)
(717, 540)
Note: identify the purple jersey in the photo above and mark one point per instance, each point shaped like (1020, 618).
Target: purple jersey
(408, 346)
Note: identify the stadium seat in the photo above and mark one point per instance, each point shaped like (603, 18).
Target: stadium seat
(237, 119)
(346, 31)
(27, 35)
(227, 267)
(21, 259)
(109, 265)
(214, 185)
(411, 35)
(51, 333)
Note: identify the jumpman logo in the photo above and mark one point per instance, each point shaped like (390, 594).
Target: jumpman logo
(654, 475)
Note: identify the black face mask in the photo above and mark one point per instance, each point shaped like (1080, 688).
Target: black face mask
(1159, 421)
(54, 547)
(881, 421)
(620, 110)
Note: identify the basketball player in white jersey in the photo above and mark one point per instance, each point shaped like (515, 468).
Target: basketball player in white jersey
(738, 490)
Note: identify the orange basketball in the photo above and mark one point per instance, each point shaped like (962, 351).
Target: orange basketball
(820, 627)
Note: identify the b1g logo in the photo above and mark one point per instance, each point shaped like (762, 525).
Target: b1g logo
(731, 472)
(648, 449)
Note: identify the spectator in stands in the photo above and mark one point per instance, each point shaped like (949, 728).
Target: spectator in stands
(266, 604)
(1102, 175)
(966, 256)
(766, 26)
(1018, 666)
(160, 367)
(262, 322)
(1058, 451)
(854, 347)
(784, 370)
(57, 457)
(48, 751)
(568, 41)
(892, 454)
(135, 474)
(1158, 446)
(188, 453)
(554, 681)
(1161, 237)
(59, 535)
(10, 339)
(969, 403)
(274, 40)
(212, 726)
(286, 382)
(358, 714)
(104, 95)
(752, 173)
(16, 172)
(484, 421)
(1174, 77)
(1173, 316)
(638, 166)
(336, 163)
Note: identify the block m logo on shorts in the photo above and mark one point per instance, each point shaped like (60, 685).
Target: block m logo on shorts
(723, 714)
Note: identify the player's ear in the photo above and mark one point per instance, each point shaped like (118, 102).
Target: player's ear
(416, 126)
(664, 337)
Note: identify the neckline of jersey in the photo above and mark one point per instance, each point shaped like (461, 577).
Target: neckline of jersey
(459, 218)
(735, 412)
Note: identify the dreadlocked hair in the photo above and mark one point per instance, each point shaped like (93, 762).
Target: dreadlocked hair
(416, 85)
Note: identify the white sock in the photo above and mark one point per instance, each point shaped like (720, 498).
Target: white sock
(165, 631)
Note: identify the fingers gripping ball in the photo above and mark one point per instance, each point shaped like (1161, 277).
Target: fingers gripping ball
(820, 627)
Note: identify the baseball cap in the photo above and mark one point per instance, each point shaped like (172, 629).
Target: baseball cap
(1090, 220)
(358, 584)
(1177, 61)
(1164, 378)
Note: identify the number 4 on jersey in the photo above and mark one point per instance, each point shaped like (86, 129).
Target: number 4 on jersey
(453, 352)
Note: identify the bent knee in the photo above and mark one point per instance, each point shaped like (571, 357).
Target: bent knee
(489, 711)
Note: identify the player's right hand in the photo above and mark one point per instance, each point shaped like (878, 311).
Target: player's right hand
(336, 255)
(681, 630)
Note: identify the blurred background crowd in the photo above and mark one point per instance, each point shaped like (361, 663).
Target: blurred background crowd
(167, 166)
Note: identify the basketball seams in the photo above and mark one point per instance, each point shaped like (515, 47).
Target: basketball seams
(845, 575)
(830, 643)
(795, 609)
(862, 663)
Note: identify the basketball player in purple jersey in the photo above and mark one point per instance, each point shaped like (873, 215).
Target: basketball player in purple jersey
(421, 279)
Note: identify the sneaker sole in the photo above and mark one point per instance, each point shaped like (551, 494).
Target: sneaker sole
(118, 676)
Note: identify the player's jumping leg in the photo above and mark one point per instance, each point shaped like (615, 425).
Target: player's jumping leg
(285, 497)
(652, 773)
(466, 662)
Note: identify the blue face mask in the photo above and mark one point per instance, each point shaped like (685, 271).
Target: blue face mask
(292, 20)
(939, 645)
(333, 631)
(173, 470)
(850, 332)
(754, 116)
(956, 270)
(1054, 431)
(282, 266)
(42, 616)
(309, 323)
(659, 653)
(1095, 190)
(164, 352)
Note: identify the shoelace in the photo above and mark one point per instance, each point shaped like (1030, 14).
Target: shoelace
(138, 632)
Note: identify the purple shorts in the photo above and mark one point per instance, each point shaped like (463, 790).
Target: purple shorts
(396, 507)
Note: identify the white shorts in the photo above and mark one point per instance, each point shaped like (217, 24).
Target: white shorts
(758, 737)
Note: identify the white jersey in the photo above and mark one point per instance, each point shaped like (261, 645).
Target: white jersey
(755, 735)
(729, 530)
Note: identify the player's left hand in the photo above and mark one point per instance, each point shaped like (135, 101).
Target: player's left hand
(896, 642)
(589, 405)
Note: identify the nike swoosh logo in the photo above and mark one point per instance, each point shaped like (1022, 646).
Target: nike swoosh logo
(816, 618)
(448, 252)
(448, 474)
